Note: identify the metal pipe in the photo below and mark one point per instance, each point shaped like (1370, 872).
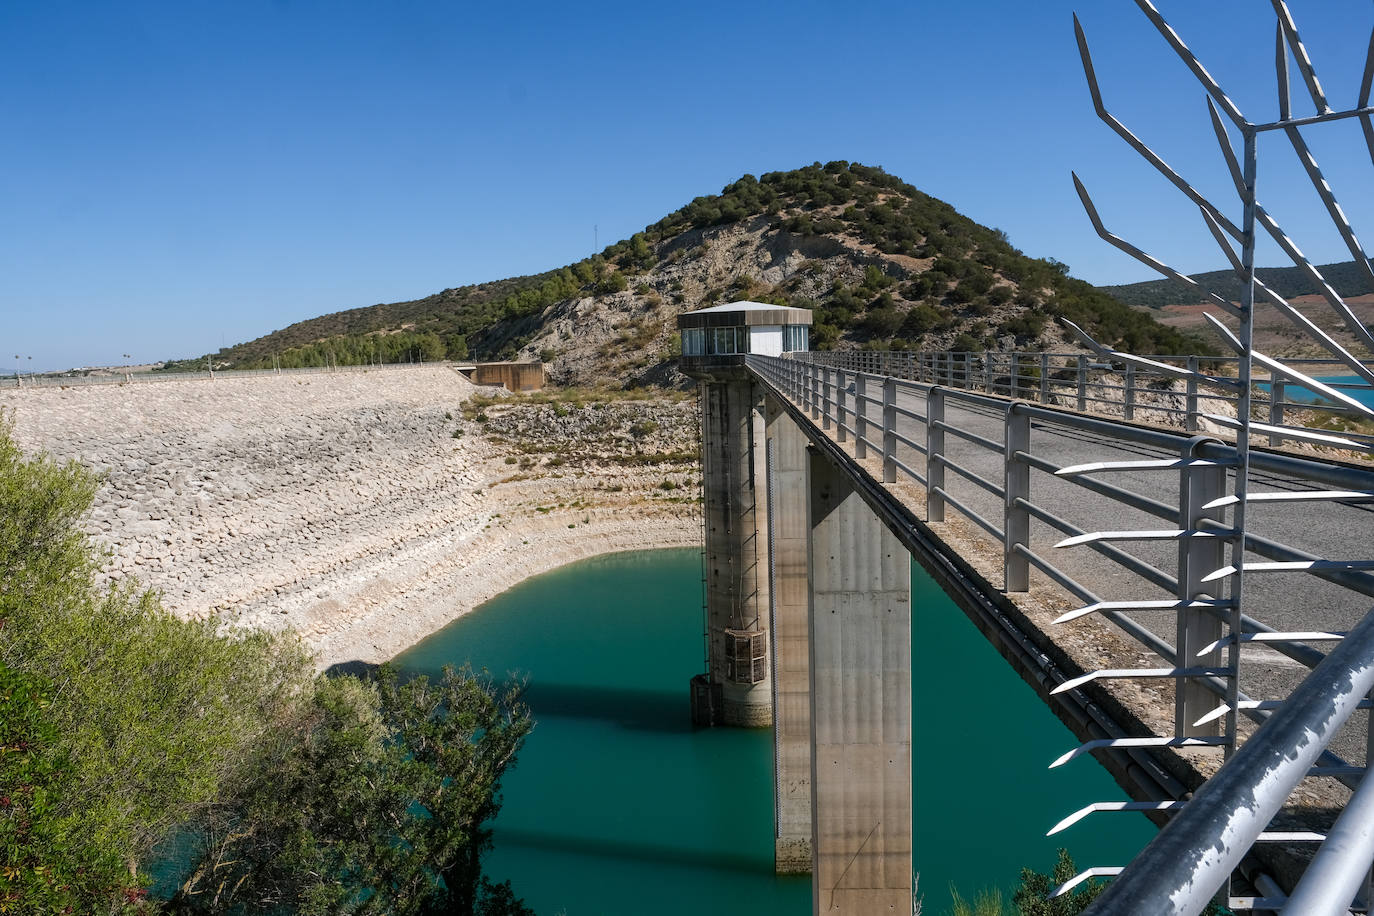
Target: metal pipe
(1185, 864)
(1338, 870)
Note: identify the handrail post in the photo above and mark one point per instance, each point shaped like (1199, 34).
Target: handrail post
(1016, 489)
(935, 455)
(1276, 398)
(1128, 408)
(841, 434)
(987, 371)
(1044, 378)
(1197, 557)
(816, 406)
(889, 430)
(860, 415)
(828, 395)
(1082, 383)
(1190, 406)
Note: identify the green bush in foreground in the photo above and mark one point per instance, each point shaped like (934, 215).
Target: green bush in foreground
(151, 713)
(374, 801)
(121, 725)
(46, 868)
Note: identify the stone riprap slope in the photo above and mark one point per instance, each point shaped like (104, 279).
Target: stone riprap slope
(343, 506)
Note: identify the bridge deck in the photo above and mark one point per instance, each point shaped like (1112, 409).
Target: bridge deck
(1287, 601)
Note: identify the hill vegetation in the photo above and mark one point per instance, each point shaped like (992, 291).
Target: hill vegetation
(1288, 282)
(881, 264)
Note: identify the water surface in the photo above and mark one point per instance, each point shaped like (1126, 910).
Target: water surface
(617, 806)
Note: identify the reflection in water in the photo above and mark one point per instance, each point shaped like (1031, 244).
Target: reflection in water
(625, 707)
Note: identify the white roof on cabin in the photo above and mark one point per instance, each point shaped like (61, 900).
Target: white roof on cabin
(746, 306)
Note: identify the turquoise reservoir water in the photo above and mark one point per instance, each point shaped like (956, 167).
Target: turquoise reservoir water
(617, 806)
(1300, 394)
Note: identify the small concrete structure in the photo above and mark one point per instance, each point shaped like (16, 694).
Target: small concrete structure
(515, 376)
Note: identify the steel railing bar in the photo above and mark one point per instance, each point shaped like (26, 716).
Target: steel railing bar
(989, 444)
(1134, 564)
(972, 516)
(975, 479)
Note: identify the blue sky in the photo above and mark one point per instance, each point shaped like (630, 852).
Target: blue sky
(177, 175)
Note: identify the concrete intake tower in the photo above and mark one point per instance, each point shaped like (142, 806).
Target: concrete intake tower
(736, 688)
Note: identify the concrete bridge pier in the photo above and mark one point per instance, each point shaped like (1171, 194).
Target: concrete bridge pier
(860, 639)
(789, 530)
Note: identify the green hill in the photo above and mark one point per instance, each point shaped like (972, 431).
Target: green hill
(1288, 282)
(882, 264)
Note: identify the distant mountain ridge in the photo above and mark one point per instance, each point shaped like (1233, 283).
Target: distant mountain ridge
(881, 264)
(1289, 282)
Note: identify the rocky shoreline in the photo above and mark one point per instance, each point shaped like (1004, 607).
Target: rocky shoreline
(362, 510)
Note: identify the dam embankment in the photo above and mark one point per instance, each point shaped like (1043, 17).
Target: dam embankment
(364, 510)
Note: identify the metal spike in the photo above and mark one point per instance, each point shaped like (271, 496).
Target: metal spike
(1290, 836)
(1144, 258)
(1161, 368)
(1290, 566)
(1112, 806)
(1075, 682)
(1279, 368)
(1160, 605)
(1314, 173)
(1151, 464)
(1192, 62)
(1359, 330)
(1366, 123)
(1281, 71)
(1315, 636)
(1143, 535)
(1298, 318)
(1223, 709)
(1135, 143)
(1309, 76)
(1292, 432)
(1270, 706)
(1300, 495)
(1169, 741)
(1228, 152)
(1088, 874)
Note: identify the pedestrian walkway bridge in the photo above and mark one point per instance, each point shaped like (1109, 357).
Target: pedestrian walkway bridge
(1092, 550)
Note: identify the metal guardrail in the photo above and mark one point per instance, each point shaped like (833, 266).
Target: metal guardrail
(63, 380)
(930, 434)
(1087, 383)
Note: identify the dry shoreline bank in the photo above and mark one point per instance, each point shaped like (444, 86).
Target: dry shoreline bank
(363, 510)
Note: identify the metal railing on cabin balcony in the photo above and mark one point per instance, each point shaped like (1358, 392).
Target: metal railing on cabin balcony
(965, 447)
(1083, 382)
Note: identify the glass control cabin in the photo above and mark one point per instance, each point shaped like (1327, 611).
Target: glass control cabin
(718, 337)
